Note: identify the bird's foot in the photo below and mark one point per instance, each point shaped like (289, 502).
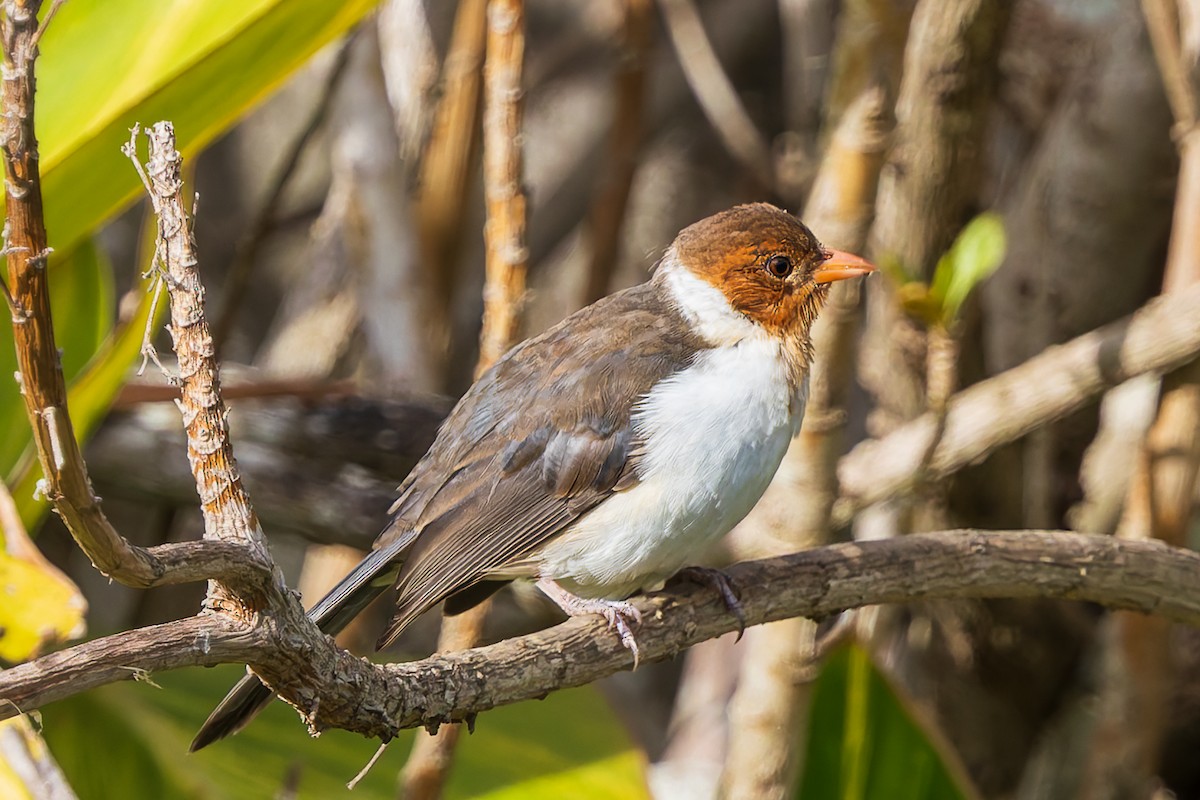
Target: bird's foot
(719, 581)
(621, 615)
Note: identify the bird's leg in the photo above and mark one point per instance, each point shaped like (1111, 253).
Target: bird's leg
(719, 581)
(619, 613)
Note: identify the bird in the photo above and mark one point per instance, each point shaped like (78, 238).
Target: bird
(604, 455)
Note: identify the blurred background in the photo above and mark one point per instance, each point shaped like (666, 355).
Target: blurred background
(1012, 166)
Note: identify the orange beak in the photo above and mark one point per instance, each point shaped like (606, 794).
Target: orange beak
(839, 266)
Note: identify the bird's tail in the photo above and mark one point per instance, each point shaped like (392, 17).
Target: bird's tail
(373, 575)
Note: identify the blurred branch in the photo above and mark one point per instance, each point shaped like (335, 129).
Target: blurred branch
(250, 244)
(1163, 335)
(336, 689)
(449, 158)
(927, 192)
(772, 694)
(715, 92)
(1139, 673)
(608, 209)
(432, 755)
(503, 173)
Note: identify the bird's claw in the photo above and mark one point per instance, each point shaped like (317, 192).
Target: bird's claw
(621, 615)
(719, 581)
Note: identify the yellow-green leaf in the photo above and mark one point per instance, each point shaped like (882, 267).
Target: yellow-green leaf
(107, 64)
(975, 254)
(39, 606)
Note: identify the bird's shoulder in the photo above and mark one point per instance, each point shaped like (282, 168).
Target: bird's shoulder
(558, 405)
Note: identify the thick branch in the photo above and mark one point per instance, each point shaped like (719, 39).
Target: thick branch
(377, 701)
(1163, 335)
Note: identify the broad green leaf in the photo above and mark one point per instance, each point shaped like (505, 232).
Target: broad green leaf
(975, 254)
(41, 605)
(567, 746)
(865, 744)
(107, 64)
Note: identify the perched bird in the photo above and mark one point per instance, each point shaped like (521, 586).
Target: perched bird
(602, 456)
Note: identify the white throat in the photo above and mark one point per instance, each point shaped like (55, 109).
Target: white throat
(703, 305)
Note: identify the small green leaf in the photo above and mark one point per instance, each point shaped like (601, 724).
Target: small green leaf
(975, 254)
(864, 742)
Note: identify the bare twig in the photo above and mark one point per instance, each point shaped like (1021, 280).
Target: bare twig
(374, 700)
(608, 210)
(1163, 335)
(228, 515)
(715, 92)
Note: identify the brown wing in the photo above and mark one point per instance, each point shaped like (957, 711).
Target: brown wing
(539, 440)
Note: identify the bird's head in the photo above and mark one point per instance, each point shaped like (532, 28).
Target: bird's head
(767, 264)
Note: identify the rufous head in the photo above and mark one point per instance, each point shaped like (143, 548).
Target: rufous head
(767, 264)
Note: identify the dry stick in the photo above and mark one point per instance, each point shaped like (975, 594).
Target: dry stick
(608, 209)
(450, 154)
(429, 763)
(777, 668)
(1163, 335)
(374, 700)
(66, 480)
(1127, 745)
(715, 92)
(228, 515)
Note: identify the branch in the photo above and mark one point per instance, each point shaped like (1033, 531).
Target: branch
(66, 479)
(228, 515)
(503, 172)
(715, 92)
(1161, 336)
(380, 700)
(432, 755)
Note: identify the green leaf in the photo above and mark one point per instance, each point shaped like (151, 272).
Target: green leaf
(567, 746)
(107, 64)
(865, 743)
(975, 254)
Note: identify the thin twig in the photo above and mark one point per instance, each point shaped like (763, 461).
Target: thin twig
(228, 514)
(715, 92)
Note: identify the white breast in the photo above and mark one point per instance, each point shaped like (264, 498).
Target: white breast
(715, 434)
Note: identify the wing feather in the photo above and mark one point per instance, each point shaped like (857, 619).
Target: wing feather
(538, 441)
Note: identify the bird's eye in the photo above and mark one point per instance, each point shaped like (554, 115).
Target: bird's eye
(779, 266)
